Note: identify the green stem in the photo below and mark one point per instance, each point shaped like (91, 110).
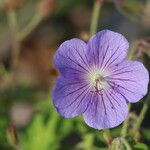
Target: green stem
(12, 20)
(13, 25)
(95, 17)
(88, 141)
(125, 124)
(142, 114)
(126, 144)
(107, 137)
(36, 19)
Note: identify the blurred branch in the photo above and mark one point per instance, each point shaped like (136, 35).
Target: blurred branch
(36, 19)
(13, 25)
(142, 114)
(126, 123)
(95, 16)
(130, 8)
(126, 144)
(44, 9)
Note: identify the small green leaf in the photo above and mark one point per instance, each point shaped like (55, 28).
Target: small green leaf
(140, 146)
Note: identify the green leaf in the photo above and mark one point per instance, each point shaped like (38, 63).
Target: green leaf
(46, 130)
(146, 133)
(140, 146)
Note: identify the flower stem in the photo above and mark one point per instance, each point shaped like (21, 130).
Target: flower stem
(125, 124)
(95, 16)
(13, 25)
(107, 137)
(126, 144)
(142, 114)
(88, 141)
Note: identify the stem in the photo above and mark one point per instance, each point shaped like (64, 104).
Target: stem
(125, 124)
(126, 144)
(12, 20)
(142, 114)
(36, 19)
(88, 141)
(95, 17)
(13, 25)
(107, 137)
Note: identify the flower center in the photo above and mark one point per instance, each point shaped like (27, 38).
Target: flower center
(96, 79)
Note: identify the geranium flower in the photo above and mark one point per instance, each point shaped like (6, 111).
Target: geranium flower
(96, 81)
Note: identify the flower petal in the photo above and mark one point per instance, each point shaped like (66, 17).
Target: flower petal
(70, 58)
(71, 98)
(107, 48)
(130, 79)
(106, 110)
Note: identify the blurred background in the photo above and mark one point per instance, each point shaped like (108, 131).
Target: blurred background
(30, 33)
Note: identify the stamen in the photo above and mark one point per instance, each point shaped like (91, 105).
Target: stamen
(96, 79)
(98, 82)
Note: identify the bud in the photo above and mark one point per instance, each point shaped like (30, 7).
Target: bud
(85, 36)
(116, 144)
(46, 7)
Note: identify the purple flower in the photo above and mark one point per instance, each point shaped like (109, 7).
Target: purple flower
(96, 81)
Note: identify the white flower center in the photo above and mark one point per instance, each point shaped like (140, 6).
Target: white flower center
(96, 79)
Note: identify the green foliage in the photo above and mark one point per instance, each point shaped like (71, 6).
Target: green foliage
(19, 92)
(45, 132)
(3, 125)
(146, 133)
(140, 146)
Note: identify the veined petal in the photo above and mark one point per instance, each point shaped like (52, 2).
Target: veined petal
(71, 98)
(130, 79)
(107, 48)
(70, 58)
(106, 110)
